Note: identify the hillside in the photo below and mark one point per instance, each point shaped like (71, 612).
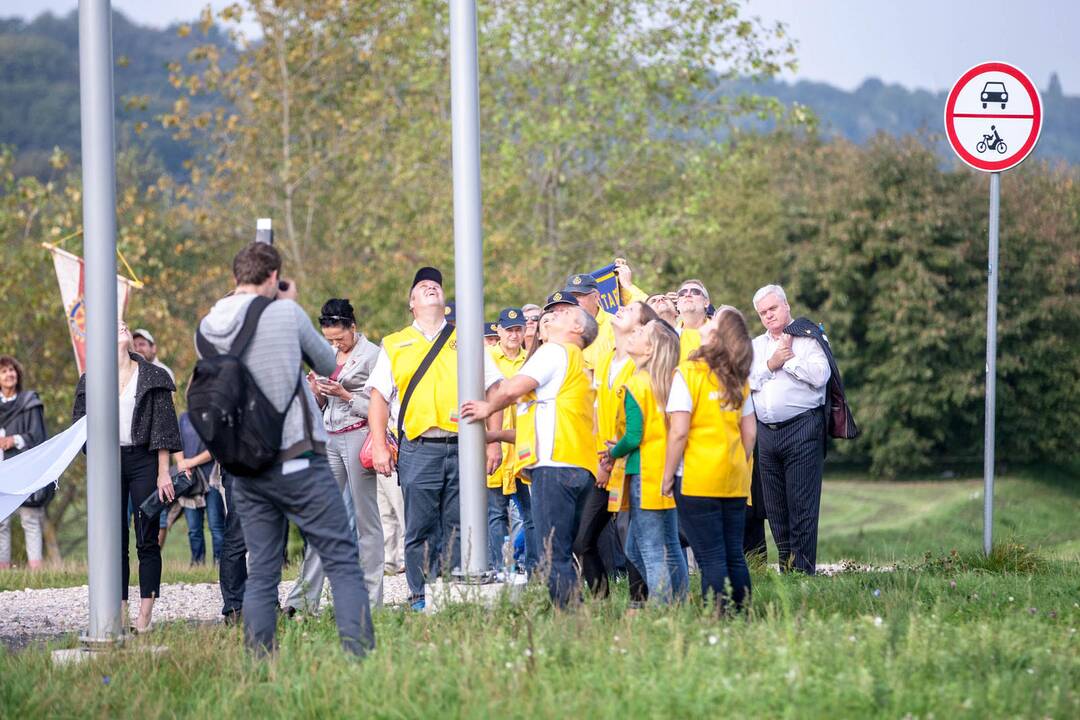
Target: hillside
(39, 91)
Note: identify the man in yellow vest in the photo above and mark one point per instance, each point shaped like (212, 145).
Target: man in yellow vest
(586, 290)
(505, 483)
(692, 301)
(564, 444)
(427, 463)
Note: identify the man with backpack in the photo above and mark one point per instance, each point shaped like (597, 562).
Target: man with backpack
(249, 403)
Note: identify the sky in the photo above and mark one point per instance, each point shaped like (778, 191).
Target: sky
(924, 44)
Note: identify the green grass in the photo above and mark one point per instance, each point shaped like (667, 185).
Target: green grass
(948, 633)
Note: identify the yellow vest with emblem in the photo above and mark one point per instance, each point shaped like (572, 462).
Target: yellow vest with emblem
(653, 448)
(434, 402)
(575, 432)
(604, 343)
(689, 341)
(714, 462)
(505, 475)
(524, 434)
(611, 423)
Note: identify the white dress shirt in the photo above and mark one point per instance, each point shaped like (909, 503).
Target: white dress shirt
(797, 386)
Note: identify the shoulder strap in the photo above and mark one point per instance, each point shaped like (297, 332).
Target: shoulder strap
(436, 348)
(247, 330)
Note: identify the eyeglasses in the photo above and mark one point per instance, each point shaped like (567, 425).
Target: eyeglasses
(532, 318)
(697, 292)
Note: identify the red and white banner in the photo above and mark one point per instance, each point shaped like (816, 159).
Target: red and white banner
(71, 276)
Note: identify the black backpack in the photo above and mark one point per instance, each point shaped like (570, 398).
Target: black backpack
(240, 426)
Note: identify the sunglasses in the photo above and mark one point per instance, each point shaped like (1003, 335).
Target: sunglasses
(696, 292)
(532, 318)
(328, 320)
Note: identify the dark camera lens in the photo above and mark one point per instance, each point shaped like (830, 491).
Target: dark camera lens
(283, 285)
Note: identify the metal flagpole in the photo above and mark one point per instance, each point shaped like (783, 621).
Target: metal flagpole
(469, 279)
(99, 220)
(991, 366)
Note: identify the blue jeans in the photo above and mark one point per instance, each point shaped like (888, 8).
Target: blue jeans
(428, 474)
(558, 496)
(652, 544)
(714, 527)
(214, 512)
(498, 524)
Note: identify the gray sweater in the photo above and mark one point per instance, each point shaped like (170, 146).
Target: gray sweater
(285, 336)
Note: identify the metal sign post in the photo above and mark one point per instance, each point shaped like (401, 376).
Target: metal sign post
(469, 280)
(993, 118)
(103, 515)
(991, 366)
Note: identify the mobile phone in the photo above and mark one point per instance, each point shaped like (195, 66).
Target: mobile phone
(264, 231)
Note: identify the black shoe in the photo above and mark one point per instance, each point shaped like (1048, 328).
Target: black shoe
(234, 617)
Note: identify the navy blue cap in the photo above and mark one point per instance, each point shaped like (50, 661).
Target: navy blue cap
(511, 317)
(560, 298)
(583, 284)
(491, 329)
(451, 312)
(426, 273)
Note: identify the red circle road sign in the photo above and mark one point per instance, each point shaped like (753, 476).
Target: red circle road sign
(993, 116)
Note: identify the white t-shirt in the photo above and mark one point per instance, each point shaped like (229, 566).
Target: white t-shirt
(547, 366)
(127, 408)
(679, 400)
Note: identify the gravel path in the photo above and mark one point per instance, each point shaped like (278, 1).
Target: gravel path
(30, 615)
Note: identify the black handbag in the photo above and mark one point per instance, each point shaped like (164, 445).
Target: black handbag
(182, 485)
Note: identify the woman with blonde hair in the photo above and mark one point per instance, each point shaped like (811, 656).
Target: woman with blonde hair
(710, 443)
(652, 543)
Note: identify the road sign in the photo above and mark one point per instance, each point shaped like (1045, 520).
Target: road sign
(993, 116)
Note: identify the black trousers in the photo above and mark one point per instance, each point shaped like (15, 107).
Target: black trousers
(138, 480)
(754, 532)
(594, 518)
(791, 459)
(232, 569)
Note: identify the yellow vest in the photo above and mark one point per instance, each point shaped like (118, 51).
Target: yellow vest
(525, 434)
(504, 476)
(575, 432)
(714, 463)
(653, 446)
(689, 341)
(603, 344)
(611, 422)
(434, 402)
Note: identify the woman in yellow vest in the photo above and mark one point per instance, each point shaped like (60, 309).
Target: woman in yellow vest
(652, 543)
(710, 443)
(610, 382)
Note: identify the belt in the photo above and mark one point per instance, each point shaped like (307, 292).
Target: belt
(789, 421)
(355, 426)
(450, 440)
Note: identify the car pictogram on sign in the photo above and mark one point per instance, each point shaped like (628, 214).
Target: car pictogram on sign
(994, 92)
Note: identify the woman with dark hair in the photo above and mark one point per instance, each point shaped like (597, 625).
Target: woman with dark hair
(345, 408)
(22, 426)
(710, 442)
(149, 433)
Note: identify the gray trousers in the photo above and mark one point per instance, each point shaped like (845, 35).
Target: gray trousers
(429, 482)
(33, 522)
(310, 498)
(343, 455)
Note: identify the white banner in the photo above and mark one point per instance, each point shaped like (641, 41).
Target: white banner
(29, 471)
(69, 273)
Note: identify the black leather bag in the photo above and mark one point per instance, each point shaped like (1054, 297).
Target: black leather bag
(182, 484)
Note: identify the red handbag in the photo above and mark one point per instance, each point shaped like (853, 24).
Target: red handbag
(365, 450)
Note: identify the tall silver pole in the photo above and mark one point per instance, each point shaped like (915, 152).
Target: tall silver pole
(99, 233)
(991, 366)
(468, 278)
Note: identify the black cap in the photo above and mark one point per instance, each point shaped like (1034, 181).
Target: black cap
(450, 311)
(511, 317)
(426, 273)
(560, 298)
(491, 329)
(584, 284)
